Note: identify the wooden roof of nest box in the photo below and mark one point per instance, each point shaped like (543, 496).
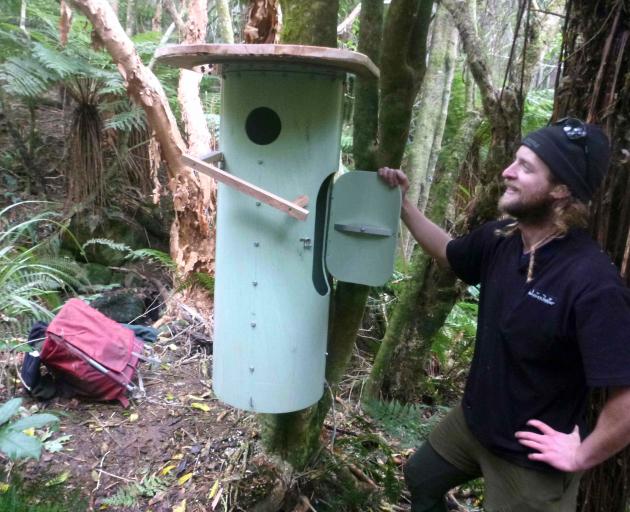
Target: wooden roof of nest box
(192, 55)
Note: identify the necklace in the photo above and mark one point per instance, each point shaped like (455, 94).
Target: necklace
(532, 251)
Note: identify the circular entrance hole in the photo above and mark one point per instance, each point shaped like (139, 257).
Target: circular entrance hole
(263, 126)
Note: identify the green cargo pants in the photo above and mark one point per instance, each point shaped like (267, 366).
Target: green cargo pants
(453, 456)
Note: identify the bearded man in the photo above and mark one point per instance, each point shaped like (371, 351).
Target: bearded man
(554, 321)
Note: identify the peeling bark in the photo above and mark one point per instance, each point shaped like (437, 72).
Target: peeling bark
(145, 90)
(263, 22)
(194, 199)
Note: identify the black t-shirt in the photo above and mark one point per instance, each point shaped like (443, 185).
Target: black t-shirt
(541, 344)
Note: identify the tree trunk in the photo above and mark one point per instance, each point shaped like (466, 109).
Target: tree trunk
(595, 85)
(65, 22)
(503, 110)
(23, 17)
(129, 25)
(403, 63)
(428, 295)
(263, 22)
(169, 5)
(114, 4)
(156, 21)
(310, 22)
(192, 232)
(295, 436)
(226, 32)
(431, 115)
(365, 121)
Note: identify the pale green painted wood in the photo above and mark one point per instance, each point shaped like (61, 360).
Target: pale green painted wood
(270, 323)
(362, 229)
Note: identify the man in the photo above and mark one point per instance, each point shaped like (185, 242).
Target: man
(554, 320)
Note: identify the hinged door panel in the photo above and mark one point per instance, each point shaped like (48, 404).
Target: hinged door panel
(362, 229)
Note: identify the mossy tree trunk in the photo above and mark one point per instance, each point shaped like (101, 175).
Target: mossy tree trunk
(429, 295)
(365, 120)
(401, 367)
(594, 85)
(403, 64)
(310, 23)
(296, 436)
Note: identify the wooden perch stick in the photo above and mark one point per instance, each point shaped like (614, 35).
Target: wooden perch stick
(290, 208)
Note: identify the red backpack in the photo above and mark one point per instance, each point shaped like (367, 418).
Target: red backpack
(92, 353)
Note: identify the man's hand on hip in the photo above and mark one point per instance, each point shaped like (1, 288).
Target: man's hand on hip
(557, 449)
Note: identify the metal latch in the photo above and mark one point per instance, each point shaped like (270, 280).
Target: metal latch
(365, 229)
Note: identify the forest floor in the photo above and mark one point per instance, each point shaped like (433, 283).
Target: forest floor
(177, 448)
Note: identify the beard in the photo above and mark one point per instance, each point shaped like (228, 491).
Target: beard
(534, 210)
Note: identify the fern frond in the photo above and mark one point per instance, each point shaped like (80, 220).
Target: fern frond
(127, 121)
(25, 77)
(116, 246)
(59, 63)
(205, 280)
(159, 257)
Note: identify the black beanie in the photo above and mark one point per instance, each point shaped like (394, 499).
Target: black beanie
(580, 164)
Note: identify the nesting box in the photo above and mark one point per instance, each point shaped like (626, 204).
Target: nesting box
(285, 220)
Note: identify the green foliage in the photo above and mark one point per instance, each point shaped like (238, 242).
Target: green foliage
(31, 275)
(205, 280)
(460, 327)
(538, 110)
(452, 349)
(39, 496)
(127, 117)
(159, 257)
(456, 105)
(374, 457)
(408, 423)
(127, 496)
(13, 442)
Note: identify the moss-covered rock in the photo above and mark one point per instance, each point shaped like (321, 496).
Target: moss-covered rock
(122, 306)
(97, 273)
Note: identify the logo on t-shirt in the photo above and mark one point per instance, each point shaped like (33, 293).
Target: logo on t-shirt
(545, 299)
